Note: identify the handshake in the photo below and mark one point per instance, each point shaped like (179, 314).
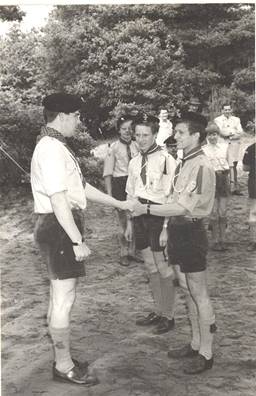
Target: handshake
(133, 206)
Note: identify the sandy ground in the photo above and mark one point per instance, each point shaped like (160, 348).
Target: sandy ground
(129, 361)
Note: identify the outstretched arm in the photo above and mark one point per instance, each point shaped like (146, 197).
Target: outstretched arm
(95, 195)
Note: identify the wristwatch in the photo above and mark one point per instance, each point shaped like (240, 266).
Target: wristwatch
(77, 243)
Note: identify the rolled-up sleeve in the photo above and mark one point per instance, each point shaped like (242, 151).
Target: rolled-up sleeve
(198, 196)
(52, 169)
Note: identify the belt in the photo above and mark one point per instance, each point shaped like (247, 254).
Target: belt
(180, 220)
(147, 201)
(222, 172)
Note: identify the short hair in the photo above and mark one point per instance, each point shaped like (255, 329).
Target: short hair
(196, 123)
(123, 119)
(49, 116)
(212, 128)
(226, 104)
(147, 120)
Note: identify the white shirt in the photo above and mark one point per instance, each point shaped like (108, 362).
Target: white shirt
(116, 161)
(218, 155)
(165, 131)
(229, 126)
(158, 184)
(53, 170)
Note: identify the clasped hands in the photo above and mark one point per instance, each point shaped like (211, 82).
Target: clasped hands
(134, 206)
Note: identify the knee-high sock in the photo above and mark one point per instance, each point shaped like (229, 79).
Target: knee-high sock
(215, 230)
(168, 297)
(222, 227)
(207, 329)
(155, 285)
(194, 321)
(252, 226)
(61, 346)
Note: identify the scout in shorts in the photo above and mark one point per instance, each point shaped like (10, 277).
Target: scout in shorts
(192, 198)
(115, 176)
(149, 178)
(217, 153)
(60, 193)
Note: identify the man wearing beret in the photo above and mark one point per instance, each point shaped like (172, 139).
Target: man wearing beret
(60, 194)
(191, 199)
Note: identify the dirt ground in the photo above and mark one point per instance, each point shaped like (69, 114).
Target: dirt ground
(129, 361)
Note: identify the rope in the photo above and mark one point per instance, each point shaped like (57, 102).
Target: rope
(13, 160)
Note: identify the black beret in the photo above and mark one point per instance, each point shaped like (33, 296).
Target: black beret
(193, 117)
(62, 103)
(144, 118)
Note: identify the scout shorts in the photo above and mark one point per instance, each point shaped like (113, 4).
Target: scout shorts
(118, 187)
(222, 184)
(56, 247)
(147, 230)
(187, 246)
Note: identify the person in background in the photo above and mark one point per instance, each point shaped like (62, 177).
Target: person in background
(218, 155)
(150, 175)
(60, 193)
(194, 105)
(115, 177)
(165, 128)
(191, 200)
(231, 132)
(249, 165)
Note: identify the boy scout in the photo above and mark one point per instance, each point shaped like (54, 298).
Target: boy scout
(192, 199)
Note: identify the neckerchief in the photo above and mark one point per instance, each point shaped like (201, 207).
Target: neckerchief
(144, 161)
(191, 154)
(128, 147)
(51, 132)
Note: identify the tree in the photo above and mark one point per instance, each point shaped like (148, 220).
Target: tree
(11, 13)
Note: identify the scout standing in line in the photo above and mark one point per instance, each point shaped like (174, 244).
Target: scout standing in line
(231, 132)
(217, 153)
(149, 178)
(115, 177)
(60, 193)
(192, 199)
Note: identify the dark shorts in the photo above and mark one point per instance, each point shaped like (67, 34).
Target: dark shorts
(187, 246)
(56, 248)
(222, 184)
(252, 187)
(147, 230)
(118, 187)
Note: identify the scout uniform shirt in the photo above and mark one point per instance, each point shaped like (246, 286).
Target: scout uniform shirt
(54, 169)
(193, 185)
(218, 155)
(160, 167)
(117, 160)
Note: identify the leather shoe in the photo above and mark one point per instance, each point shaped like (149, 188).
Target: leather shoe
(124, 261)
(198, 365)
(164, 326)
(75, 376)
(135, 258)
(184, 352)
(151, 319)
(237, 192)
(251, 247)
(82, 366)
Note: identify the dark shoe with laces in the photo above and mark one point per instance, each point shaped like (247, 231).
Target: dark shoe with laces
(75, 376)
(135, 258)
(237, 192)
(184, 352)
(198, 365)
(82, 366)
(164, 326)
(151, 319)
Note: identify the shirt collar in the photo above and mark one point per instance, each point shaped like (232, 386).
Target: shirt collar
(193, 153)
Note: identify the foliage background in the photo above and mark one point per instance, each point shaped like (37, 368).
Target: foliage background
(121, 57)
